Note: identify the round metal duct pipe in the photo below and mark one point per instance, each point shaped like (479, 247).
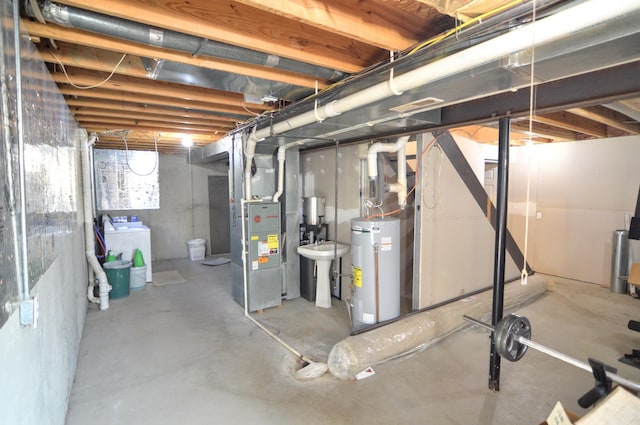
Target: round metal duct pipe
(72, 17)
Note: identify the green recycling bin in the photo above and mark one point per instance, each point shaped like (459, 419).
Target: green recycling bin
(118, 273)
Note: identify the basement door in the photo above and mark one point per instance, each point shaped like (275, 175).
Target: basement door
(219, 214)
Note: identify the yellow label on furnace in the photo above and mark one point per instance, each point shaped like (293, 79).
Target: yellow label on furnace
(255, 238)
(272, 240)
(357, 276)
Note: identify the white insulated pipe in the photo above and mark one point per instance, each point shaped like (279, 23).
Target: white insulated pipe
(554, 27)
(94, 265)
(400, 186)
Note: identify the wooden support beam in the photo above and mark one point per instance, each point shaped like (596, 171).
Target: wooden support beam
(187, 105)
(93, 59)
(80, 113)
(369, 22)
(142, 86)
(76, 36)
(573, 122)
(609, 117)
(234, 23)
(101, 127)
(545, 130)
(77, 104)
(134, 123)
(165, 138)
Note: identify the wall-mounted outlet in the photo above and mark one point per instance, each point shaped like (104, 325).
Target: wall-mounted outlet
(538, 215)
(29, 312)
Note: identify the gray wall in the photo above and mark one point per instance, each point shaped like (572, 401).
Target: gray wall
(318, 179)
(37, 366)
(181, 217)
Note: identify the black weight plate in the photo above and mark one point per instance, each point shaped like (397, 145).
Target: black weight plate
(506, 336)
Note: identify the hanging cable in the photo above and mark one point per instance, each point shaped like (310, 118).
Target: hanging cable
(415, 183)
(524, 274)
(92, 86)
(126, 148)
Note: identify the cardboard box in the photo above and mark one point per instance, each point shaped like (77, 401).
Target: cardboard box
(634, 274)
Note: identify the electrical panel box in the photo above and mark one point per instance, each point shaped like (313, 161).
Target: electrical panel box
(264, 271)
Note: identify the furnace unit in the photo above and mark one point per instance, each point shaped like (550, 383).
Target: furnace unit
(264, 275)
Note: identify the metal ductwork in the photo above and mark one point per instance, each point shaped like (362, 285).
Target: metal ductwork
(72, 17)
(572, 39)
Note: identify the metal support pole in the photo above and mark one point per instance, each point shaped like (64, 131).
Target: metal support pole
(500, 246)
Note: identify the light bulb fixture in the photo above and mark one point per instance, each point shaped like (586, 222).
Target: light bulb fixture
(187, 141)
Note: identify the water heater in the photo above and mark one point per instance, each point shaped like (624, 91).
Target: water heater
(375, 258)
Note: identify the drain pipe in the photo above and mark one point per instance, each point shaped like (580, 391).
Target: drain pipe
(249, 153)
(282, 155)
(562, 24)
(94, 266)
(73, 17)
(400, 186)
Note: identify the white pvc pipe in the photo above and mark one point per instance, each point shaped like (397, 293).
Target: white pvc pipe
(561, 24)
(282, 155)
(400, 186)
(249, 152)
(94, 265)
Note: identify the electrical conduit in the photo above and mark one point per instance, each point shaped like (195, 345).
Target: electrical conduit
(94, 266)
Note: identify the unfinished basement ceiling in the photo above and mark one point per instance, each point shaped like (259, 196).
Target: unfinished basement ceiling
(269, 55)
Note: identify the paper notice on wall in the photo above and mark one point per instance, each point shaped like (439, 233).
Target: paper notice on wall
(263, 248)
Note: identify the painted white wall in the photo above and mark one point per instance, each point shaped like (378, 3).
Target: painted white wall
(180, 217)
(582, 191)
(456, 240)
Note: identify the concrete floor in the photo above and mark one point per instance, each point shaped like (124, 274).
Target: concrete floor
(184, 354)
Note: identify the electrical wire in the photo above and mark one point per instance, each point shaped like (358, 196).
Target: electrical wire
(532, 96)
(126, 148)
(101, 241)
(457, 28)
(255, 114)
(92, 86)
(37, 12)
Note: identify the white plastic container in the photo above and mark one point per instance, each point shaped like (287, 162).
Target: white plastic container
(197, 249)
(138, 278)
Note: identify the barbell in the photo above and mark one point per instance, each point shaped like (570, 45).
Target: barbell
(512, 339)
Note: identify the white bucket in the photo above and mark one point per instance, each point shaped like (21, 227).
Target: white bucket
(138, 278)
(197, 249)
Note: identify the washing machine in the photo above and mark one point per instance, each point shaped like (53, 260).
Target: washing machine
(126, 237)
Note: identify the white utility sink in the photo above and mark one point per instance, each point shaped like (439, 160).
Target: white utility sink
(323, 253)
(323, 250)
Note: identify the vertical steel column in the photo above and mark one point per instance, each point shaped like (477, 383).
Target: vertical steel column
(500, 247)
